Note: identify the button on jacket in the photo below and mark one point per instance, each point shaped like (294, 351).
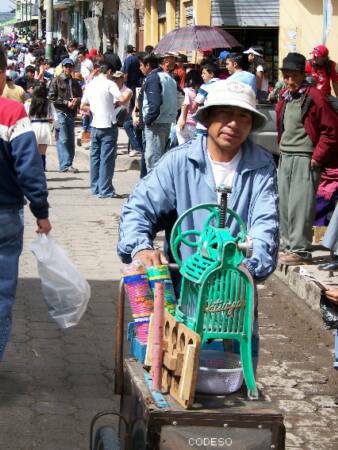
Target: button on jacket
(183, 178)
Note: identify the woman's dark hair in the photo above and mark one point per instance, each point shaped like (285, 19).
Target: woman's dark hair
(258, 61)
(39, 103)
(177, 78)
(149, 49)
(150, 59)
(240, 59)
(193, 79)
(3, 60)
(211, 68)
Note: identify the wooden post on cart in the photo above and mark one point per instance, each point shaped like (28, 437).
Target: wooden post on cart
(157, 343)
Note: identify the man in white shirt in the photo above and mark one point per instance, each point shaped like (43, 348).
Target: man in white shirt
(100, 97)
(29, 57)
(86, 65)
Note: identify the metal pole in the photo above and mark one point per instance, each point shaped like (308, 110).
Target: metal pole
(30, 15)
(49, 29)
(26, 26)
(39, 20)
(21, 16)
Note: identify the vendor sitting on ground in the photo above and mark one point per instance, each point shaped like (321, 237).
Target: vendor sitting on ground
(189, 175)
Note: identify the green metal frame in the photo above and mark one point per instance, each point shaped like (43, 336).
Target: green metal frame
(217, 292)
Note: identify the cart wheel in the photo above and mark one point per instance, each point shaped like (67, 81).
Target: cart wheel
(106, 439)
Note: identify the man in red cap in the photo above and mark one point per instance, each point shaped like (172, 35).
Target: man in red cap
(322, 69)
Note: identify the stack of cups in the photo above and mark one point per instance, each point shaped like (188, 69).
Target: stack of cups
(161, 273)
(140, 297)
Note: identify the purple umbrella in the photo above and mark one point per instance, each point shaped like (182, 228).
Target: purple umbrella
(196, 38)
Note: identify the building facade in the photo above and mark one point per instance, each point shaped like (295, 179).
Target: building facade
(252, 22)
(307, 23)
(27, 15)
(89, 22)
(163, 16)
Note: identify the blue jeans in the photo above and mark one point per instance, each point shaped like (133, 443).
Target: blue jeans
(102, 160)
(132, 135)
(86, 122)
(11, 239)
(156, 136)
(66, 143)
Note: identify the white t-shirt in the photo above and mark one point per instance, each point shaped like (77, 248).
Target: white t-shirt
(29, 60)
(101, 95)
(123, 90)
(265, 81)
(86, 68)
(224, 172)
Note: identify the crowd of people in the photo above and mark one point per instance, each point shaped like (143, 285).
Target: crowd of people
(206, 112)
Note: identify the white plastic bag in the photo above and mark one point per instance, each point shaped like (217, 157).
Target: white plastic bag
(65, 290)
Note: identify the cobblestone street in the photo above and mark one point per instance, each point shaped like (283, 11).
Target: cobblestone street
(53, 381)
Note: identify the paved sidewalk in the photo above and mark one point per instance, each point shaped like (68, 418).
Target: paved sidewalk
(53, 381)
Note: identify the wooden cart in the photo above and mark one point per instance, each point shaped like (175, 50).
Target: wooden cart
(148, 423)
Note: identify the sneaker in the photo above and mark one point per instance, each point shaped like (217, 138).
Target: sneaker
(134, 153)
(72, 169)
(115, 195)
(333, 265)
(292, 259)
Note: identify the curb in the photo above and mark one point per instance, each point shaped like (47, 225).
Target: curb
(303, 286)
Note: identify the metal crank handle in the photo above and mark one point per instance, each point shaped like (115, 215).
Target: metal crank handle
(246, 247)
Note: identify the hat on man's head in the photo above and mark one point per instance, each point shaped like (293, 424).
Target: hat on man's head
(223, 55)
(118, 74)
(166, 55)
(294, 61)
(258, 51)
(232, 93)
(92, 53)
(320, 50)
(11, 75)
(67, 61)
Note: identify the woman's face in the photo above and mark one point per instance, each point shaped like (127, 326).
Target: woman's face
(206, 75)
(251, 57)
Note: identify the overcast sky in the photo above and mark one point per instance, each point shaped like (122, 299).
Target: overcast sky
(5, 5)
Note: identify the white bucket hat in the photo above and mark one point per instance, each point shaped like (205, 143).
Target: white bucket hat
(232, 93)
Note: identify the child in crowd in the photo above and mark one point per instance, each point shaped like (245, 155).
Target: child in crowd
(186, 125)
(42, 115)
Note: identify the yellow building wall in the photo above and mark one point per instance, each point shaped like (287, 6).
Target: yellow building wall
(202, 12)
(153, 30)
(301, 27)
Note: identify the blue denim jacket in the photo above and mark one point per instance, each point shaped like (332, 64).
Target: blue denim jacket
(182, 179)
